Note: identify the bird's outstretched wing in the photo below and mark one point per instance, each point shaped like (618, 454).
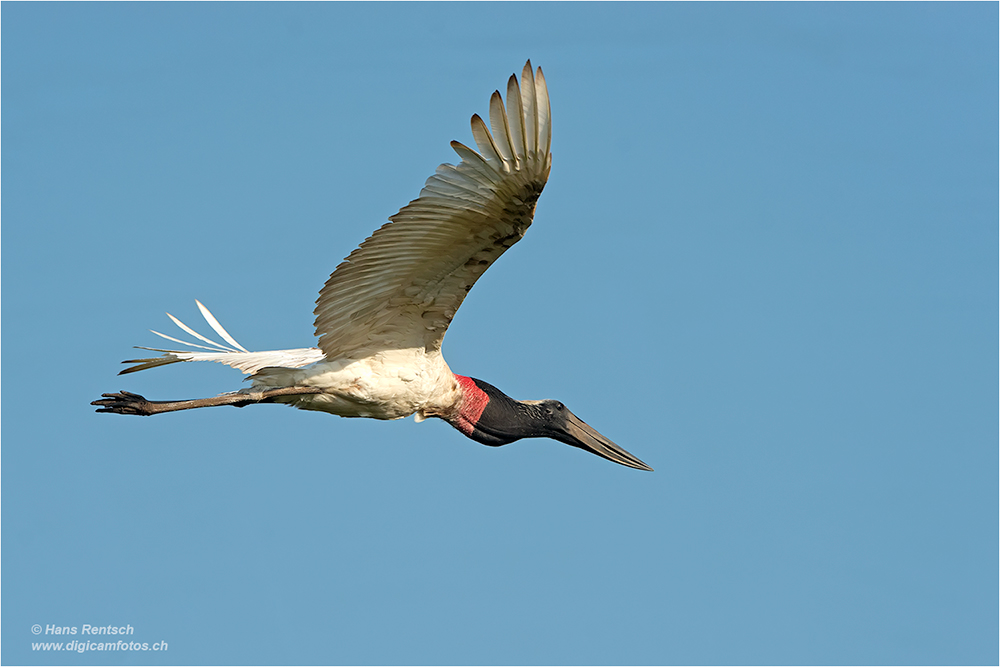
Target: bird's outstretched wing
(402, 286)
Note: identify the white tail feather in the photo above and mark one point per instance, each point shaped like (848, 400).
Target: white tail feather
(177, 340)
(246, 361)
(197, 335)
(214, 323)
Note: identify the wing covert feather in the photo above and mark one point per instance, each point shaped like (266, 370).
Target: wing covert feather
(402, 286)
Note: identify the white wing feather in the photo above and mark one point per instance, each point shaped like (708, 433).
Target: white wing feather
(402, 286)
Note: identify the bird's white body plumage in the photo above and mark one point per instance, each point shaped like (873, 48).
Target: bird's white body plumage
(380, 384)
(382, 315)
(389, 384)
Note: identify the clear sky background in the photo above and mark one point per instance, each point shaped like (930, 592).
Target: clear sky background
(765, 263)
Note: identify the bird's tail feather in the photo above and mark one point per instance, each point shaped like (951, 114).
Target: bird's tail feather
(233, 354)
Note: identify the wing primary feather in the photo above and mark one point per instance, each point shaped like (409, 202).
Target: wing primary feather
(544, 114)
(214, 323)
(475, 161)
(486, 145)
(515, 114)
(501, 133)
(468, 155)
(530, 114)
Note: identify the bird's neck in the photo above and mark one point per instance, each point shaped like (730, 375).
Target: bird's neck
(489, 416)
(471, 406)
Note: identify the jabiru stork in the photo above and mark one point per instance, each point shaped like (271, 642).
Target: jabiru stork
(382, 315)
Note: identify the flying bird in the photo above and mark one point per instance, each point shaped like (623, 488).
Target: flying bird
(383, 314)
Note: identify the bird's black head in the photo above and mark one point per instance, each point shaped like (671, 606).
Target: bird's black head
(492, 418)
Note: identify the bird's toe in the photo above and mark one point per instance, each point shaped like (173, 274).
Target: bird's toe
(122, 403)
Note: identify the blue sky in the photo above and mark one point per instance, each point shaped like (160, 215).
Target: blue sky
(765, 263)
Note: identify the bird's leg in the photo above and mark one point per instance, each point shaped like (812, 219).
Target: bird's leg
(127, 403)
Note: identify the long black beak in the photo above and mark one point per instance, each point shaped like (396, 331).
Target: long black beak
(578, 433)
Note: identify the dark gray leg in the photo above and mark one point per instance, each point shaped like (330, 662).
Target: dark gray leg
(126, 403)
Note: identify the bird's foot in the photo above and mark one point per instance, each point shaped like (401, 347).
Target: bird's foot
(124, 403)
